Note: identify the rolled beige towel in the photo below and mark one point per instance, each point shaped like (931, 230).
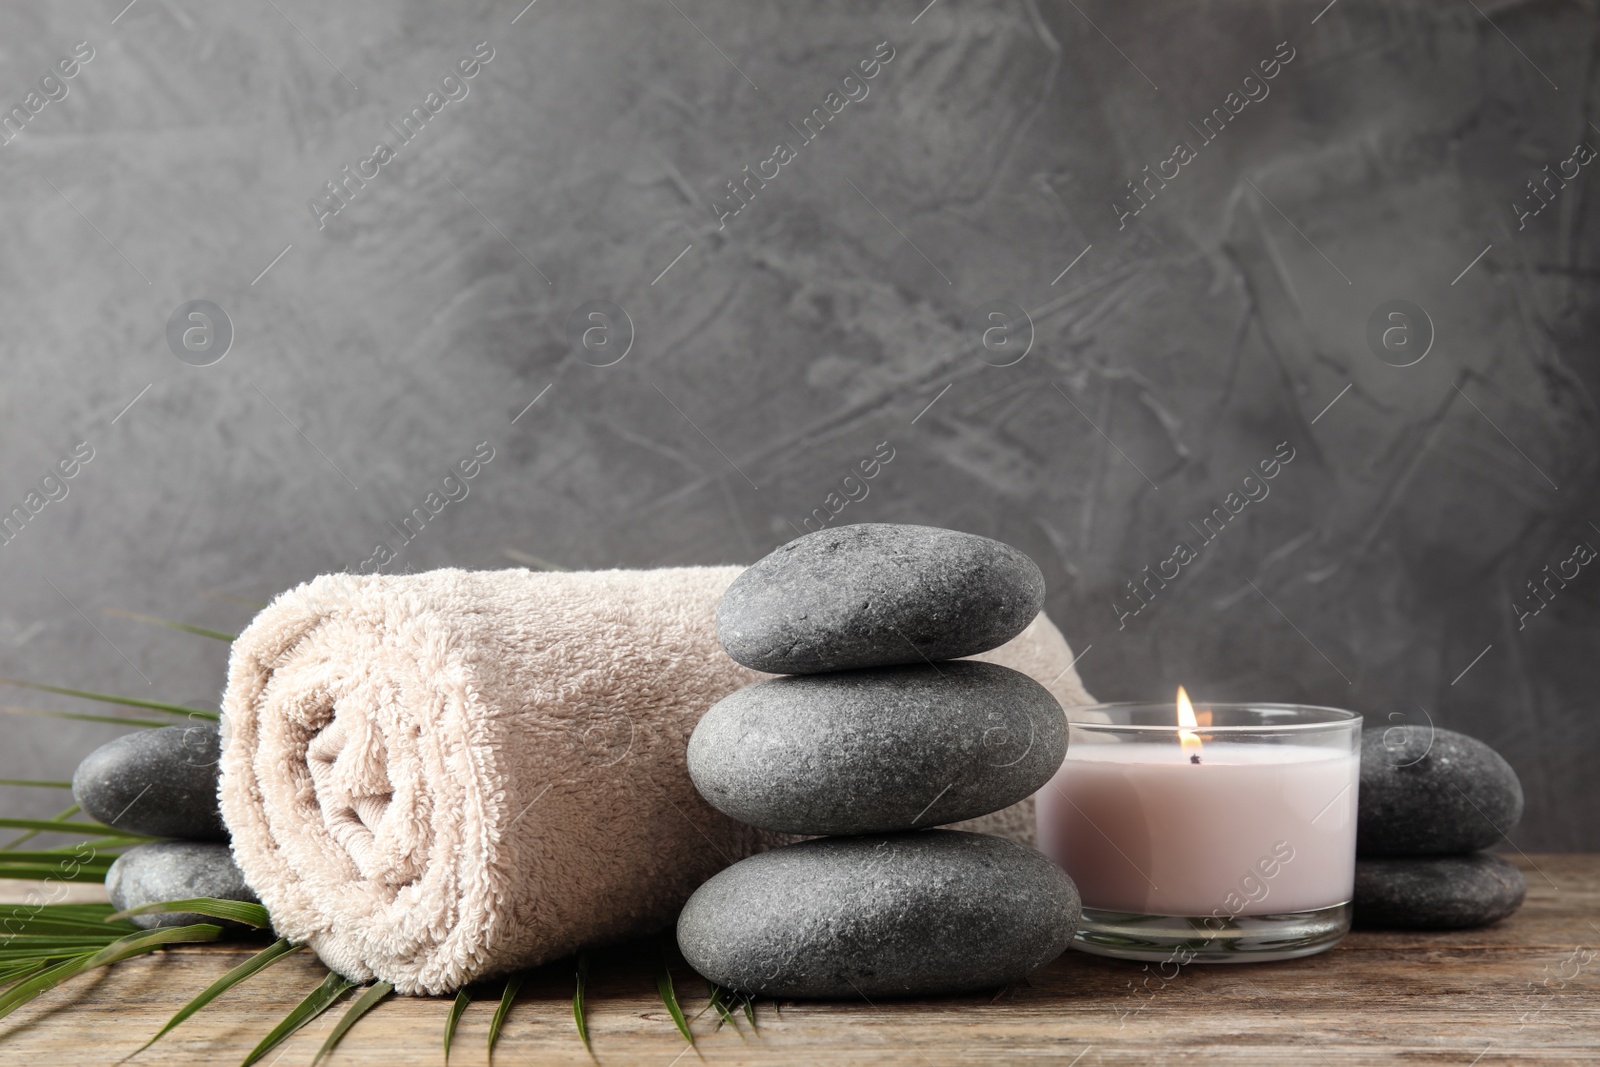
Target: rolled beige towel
(439, 777)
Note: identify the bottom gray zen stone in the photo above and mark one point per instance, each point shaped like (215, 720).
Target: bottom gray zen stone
(1436, 892)
(174, 870)
(938, 911)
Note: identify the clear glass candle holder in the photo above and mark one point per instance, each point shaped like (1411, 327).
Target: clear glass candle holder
(1229, 841)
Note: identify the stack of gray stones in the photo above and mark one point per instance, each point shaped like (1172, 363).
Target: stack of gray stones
(163, 783)
(878, 732)
(1431, 802)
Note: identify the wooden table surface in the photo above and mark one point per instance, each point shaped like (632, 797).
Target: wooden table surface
(1525, 990)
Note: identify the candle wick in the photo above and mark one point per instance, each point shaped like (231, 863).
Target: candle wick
(1195, 759)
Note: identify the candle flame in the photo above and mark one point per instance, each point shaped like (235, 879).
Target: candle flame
(1188, 740)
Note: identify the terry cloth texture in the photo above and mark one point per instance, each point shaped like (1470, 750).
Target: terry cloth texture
(435, 778)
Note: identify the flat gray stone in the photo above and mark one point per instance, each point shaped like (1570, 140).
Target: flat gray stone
(876, 595)
(160, 782)
(878, 750)
(1432, 792)
(938, 911)
(1436, 892)
(175, 870)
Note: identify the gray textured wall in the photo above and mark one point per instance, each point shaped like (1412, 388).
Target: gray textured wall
(1184, 344)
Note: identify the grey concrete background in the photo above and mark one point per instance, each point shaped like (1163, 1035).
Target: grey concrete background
(780, 350)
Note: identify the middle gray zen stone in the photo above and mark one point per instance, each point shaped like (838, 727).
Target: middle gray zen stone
(874, 595)
(938, 911)
(160, 782)
(175, 870)
(1432, 792)
(878, 750)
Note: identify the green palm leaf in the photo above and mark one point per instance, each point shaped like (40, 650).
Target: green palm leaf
(119, 720)
(238, 911)
(60, 816)
(34, 931)
(62, 826)
(463, 998)
(49, 957)
(513, 984)
(577, 1005)
(277, 950)
(364, 1003)
(107, 698)
(35, 782)
(100, 845)
(120, 949)
(750, 1011)
(316, 1002)
(64, 928)
(34, 872)
(69, 864)
(719, 1004)
(14, 972)
(52, 933)
(88, 919)
(670, 998)
(200, 631)
(68, 937)
(45, 946)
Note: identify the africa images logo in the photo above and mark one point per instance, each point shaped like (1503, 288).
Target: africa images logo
(1400, 333)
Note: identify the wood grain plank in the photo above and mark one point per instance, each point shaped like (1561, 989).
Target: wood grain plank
(1523, 990)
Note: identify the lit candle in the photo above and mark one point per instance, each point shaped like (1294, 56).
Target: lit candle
(1231, 832)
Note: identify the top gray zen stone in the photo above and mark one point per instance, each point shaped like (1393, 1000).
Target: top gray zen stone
(160, 782)
(938, 911)
(1437, 892)
(174, 870)
(875, 595)
(878, 750)
(1431, 792)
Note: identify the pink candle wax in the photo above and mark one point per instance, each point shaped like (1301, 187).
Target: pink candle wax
(1252, 829)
